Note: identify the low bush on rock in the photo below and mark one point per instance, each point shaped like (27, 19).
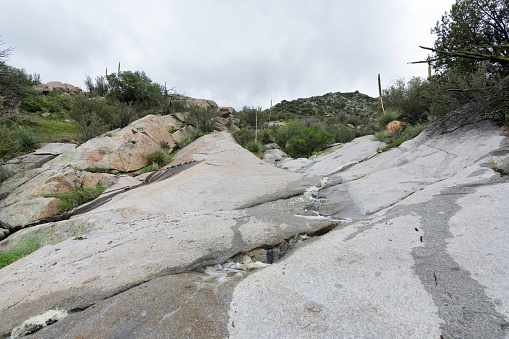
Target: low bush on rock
(395, 139)
(74, 198)
(298, 140)
(28, 245)
(28, 141)
(204, 118)
(158, 158)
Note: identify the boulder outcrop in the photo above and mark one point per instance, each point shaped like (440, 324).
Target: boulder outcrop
(125, 149)
(57, 85)
(407, 243)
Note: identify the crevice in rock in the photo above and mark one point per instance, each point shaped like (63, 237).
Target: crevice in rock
(105, 198)
(350, 165)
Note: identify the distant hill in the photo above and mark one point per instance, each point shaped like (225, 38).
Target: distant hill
(342, 105)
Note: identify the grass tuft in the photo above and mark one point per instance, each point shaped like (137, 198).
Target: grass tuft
(386, 118)
(28, 141)
(158, 158)
(74, 198)
(23, 248)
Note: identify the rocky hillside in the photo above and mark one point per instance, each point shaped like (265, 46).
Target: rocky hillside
(409, 243)
(344, 105)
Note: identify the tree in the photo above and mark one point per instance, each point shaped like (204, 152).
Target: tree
(472, 32)
(134, 88)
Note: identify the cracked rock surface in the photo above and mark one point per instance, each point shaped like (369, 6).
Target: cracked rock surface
(409, 243)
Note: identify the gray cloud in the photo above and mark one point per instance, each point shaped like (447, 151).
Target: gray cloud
(237, 53)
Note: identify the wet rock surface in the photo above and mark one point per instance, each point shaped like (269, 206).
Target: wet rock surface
(410, 243)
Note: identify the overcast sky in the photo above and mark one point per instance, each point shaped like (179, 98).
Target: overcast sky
(235, 52)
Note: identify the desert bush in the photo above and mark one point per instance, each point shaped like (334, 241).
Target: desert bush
(340, 133)
(4, 172)
(244, 135)
(381, 136)
(93, 116)
(158, 158)
(298, 140)
(35, 103)
(100, 87)
(26, 246)
(396, 139)
(387, 117)
(76, 197)
(123, 115)
(255, 147)
(266, 136)
(134, 88)
(249, 116)
(204, 118)
(412, 99)
(28, 141)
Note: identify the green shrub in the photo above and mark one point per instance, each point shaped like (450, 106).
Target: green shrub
(298, 140)
(397, 139)
(266, 136)
(158, 157)
(255, 147)
(76, 197)
(58, 103)
(204, 118)
(244, 135)
(5, 173)
(26, 246)
(123, 115)
(134, 88)
(28, 141)
(100, 170)
(92, 116)
(340, 133)
(147, 169)
(386, 118)
(35, 103)
(412, 99)
(381, 136)
(100, 87)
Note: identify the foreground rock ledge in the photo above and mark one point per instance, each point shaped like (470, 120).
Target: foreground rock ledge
(423, 257)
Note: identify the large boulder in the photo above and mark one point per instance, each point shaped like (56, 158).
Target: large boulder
(124, 150)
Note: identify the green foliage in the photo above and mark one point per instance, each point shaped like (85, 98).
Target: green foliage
(340, 133)
(76, 197)
(386, 118)
(158, 158)
(100, 170)
(341, 105)
(204, 118)
(92, 116)
(470, 57)
(298, 140)
(255, 147)
(134, 88)
(123, 115)
(397, 139)
(4, 172)
(381, 136)
(495, 163)
(249, 116)
(472, 32)
(412, 99)
(244, 136)
(100, 87)
(28, 141)
(150, 168)
(26, 246)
